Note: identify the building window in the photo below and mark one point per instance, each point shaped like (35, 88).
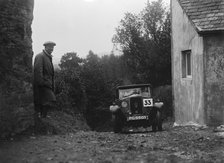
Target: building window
(186, 64)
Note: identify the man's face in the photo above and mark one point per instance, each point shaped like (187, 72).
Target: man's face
(49, 48)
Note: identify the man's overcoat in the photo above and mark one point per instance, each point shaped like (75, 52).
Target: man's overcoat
(43, 82)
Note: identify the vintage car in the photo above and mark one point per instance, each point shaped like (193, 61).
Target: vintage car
(135, 106)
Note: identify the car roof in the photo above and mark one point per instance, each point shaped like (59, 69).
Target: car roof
(133, 86)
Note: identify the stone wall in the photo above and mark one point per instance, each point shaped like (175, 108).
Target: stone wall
(15, 65)
(214, 79)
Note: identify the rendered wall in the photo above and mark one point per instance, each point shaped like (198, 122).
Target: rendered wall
(214, 79)
(188, 93)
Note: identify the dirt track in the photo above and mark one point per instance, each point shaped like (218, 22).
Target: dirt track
(179, 144)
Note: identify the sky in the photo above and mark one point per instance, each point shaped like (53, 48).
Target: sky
(80, 25)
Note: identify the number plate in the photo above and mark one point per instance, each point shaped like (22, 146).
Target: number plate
(141, 117)
(147, 102)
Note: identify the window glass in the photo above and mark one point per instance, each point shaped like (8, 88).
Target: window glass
(186, 64)
(143, 91)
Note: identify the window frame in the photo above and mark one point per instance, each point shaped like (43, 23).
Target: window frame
(186, 63)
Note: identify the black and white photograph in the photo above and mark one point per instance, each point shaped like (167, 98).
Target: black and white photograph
(111, 81)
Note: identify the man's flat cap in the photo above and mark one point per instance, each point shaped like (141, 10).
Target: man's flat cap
(49, 43)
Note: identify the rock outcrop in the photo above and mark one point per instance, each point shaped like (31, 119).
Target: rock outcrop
(15, 65)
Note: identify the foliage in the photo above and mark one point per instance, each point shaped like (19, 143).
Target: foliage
(145, 42)
(70, 61)
(88, 85)
(68, 84)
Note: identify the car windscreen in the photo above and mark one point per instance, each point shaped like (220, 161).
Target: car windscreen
(143, 91)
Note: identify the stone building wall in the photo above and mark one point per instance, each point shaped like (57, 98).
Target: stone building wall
(188, 92)
(214, 78)
(15, 65)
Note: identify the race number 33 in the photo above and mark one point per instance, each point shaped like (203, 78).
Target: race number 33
(147, 102)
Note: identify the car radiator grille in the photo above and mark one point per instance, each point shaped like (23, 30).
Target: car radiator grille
(136, 105)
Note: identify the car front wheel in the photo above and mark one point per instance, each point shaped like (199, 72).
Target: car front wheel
(118, 125)
(157, 122)
(118, 122)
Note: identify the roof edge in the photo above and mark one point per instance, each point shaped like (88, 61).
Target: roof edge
(193, 24)
(198, 29)
(202, 32)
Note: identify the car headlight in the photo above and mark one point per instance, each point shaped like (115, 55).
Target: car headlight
(158, 104)
(124, 104)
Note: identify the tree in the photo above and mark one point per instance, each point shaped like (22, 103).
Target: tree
(145, 42)
(128, 36)
(156, 22)
(70, 88)
(114, 74)
(70, 60)
(93, 78)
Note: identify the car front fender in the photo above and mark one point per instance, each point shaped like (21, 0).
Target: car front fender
(114, 108)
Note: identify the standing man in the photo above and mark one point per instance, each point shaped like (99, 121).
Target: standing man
(44, 97)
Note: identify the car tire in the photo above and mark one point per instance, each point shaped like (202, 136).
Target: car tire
(118, 124)
(153, 127)
(154, 121)
(159, 121)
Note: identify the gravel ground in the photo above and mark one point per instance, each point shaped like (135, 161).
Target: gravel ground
(174, 144)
